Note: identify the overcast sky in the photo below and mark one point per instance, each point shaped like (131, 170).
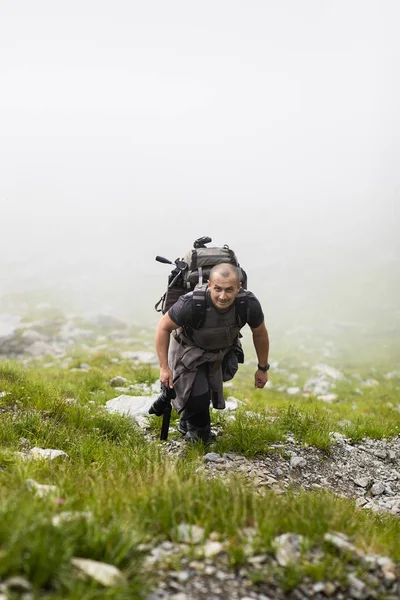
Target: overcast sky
(128, 129)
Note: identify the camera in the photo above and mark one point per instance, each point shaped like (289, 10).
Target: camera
(163, 401)
(201, 242)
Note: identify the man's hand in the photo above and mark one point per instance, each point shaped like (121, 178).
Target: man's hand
(166, 377)
(260, 378)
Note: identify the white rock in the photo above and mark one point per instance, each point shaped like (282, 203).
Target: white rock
(377, 489)
(297, 461)
(288, 548)
(68, 516)
(105, 574)
(41, 489)
(212, 457)
(340, 541)
(212, 549)
(148, 358)
(293, 390)
(317, 386)
(118, 381)
(46, 453)
(370, 382)
(232, 403)
(328, 398)
(329, 371)
(190, 534)
(362, 481)
(130, 405)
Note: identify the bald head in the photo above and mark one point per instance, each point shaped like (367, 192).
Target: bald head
(225, 270)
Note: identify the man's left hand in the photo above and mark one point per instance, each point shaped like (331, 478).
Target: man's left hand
(260, 378)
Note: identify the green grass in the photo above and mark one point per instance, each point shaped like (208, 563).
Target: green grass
(137, 494)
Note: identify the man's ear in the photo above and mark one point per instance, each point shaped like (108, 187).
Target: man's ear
(209, 283)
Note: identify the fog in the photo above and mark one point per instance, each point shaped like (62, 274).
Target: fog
(129, 129)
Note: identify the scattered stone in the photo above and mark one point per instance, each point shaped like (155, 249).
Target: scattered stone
(118, 381)
(363, 482)
(212, 549)
(68, 516)
(148, 358)
(329, 371)
(297, 461)
(377, 489)
(357, 586)
(292, 391)
(328, 398)
(212, 457)
(190, 534)
(46, 453)
(17, 585)
(41, 489)
(287, 548)
(340, 541)
(232, 403)
(105, 574)
(131, 406)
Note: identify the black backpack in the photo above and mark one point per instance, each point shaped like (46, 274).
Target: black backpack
(191, 273)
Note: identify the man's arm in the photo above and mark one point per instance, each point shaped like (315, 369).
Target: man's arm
(261, 345)
(163, 333)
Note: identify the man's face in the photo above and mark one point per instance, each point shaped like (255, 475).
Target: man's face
(223, 291)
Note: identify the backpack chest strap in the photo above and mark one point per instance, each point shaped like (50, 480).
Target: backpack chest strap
(199, 307)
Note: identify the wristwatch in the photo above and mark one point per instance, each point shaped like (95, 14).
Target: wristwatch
(265, 369)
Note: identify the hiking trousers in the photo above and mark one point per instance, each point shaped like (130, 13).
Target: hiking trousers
(197, 409)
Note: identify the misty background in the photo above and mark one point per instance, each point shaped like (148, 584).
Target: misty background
(129, 129)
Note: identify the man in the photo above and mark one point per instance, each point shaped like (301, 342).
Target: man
(200, 356)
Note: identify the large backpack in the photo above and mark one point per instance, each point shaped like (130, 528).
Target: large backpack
(192, 272)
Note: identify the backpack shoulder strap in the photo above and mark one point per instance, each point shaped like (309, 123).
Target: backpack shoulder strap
(199, 304)
(241, 308)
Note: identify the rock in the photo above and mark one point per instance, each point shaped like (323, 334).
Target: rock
(212, 548)
(340, 541)
(232, 403)
(190, 534)
(68, 516)
(380, 453)
(370, 383)
(212, 457)
(118, 381)
(363, 482)
(329, 371)
(388, 568)
(41, 489)
(131, 406)
(317, 385)
(377, 489)
(148, 358)
(357, 586)
(345, 423)
(293, 390)
(297, 461)
(329, 588)
(287, 548)
(105, 574)
(17, 585)
(46, 453)
(328, 398)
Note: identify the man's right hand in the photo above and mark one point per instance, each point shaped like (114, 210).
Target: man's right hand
(166, 377)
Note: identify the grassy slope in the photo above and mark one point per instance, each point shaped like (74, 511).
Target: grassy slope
(137, 495)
